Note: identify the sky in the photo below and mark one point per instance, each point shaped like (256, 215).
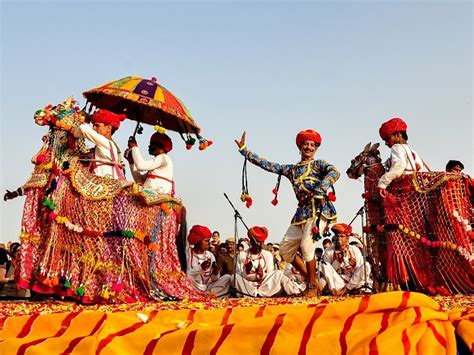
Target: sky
(269, 68)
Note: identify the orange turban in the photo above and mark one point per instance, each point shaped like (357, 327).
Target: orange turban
(259, 233)
(308, 135)
(392, 126)
(198, 233)
(107, 117)
(163, 139)
(341, 229)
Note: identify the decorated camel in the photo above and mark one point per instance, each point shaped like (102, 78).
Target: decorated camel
(420, 235)
(91, 238)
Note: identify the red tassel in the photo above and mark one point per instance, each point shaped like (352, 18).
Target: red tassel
(275, 202)
(331, 196)
(248, 202)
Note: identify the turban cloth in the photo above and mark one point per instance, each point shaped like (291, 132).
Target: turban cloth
(162, 139)
(308, 135)
(198, 233)
(107, 117)
(259, 233)
(392, 126)
(341, 229)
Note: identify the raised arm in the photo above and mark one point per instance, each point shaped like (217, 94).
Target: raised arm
(147, 165)
(276, 168)
(86, 131)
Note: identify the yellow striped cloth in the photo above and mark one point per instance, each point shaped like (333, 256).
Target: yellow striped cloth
(387, 323)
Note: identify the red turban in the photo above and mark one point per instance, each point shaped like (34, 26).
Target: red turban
(259, 233)
(308, 135)
(163, 139)
(198, 233)
(107, 117)
(392, 126)
(341, 229)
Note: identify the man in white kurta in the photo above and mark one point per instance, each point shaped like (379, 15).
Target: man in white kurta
(202, 269)
(157, 173)
(343, 264)
(256, 275)
(107, 160)
(403, 159)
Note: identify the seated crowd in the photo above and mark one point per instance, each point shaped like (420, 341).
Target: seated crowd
(253, 269)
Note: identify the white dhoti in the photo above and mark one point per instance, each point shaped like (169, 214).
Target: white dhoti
(300, 236)
(273, 283)
(220, 287)
(351, 280)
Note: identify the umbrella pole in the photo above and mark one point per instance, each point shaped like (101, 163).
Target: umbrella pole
(138, 129)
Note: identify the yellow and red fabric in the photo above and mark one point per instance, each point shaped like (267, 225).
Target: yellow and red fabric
(387, 323)
(159, 105)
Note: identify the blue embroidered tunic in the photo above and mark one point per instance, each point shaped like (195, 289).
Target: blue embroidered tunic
(310, 180)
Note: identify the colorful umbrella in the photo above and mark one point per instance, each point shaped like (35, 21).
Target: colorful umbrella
(144, 101)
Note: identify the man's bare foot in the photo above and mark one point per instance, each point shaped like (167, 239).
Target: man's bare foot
(340, 292)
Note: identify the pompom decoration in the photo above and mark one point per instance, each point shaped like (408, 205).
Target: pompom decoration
(331, 196)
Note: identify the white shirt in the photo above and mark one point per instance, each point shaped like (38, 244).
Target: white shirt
(102, 151)
(342, 265)
(160, 165)
(403, 160)
(195, 273)
(264, 259)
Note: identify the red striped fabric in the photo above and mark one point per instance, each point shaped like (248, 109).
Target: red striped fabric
(107, 340)
(364, 303)
(270, 339)
(27, 327)
(308, 329)
(64, 326)
(189, 343)
(73, 343)
(150, 348)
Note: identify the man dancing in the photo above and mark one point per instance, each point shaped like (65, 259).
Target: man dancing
(310, 179)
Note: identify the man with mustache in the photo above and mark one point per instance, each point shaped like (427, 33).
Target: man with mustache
(310, 179)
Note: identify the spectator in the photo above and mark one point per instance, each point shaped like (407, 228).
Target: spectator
(216, 238)
(343, 264)
(224, 260)
(327, 243)
(202, 268)
(231, 246)
(6, 278)
(255, 274)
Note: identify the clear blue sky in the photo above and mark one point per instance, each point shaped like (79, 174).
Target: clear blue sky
(271, 69)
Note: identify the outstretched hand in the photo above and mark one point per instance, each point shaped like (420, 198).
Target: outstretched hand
(10, 195)
(241, 143)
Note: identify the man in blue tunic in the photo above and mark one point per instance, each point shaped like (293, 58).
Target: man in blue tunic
(310, 179)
